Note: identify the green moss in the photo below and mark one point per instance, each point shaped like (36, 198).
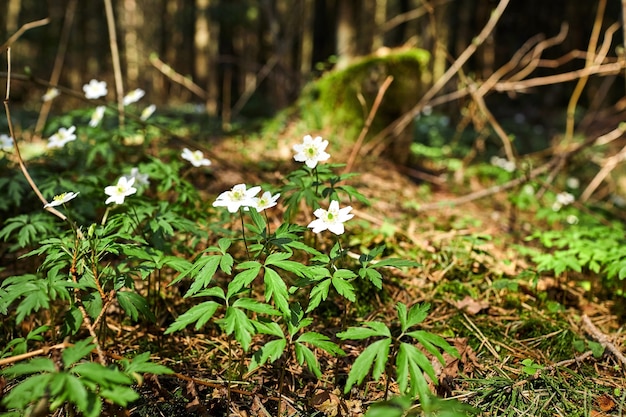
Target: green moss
(333, 100)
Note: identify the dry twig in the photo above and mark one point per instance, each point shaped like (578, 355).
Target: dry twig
(603, 340)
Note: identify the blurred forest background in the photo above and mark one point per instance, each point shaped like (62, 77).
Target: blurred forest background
(253, 57)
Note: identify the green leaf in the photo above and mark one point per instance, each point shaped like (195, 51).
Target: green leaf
(244, 278)
(205, 269)
(269, 327)
(376, 356)
(271, 351)
(395, 407)
(344, 288)
(141, 364)
(198, 314)
(322, 342)
(304, 354)
(276, 289)
(318, 294)
(376, 328)
(417, 314)
(237, 322)
(73, 354)
(256, 306)
(133, 304)
(412, 362)
(431, 341)
(28, 391)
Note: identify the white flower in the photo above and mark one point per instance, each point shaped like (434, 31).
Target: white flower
(331, 219)
(571, 219)
(121, 190)
(6, 143)
(63, 136)
(311, 151)
(95, 89)
(61, 199)
(51, 94)
(140, 179)
(96, 116)
(133, 96)
(505, 164)
(147, 112)
(196, 158)
(266, 201)
(573, 183)
(237, 197)
(564, 199)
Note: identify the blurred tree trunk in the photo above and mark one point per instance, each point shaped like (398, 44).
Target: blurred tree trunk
(206, 42)
(131, 21)
(12, 15)
(346, 47)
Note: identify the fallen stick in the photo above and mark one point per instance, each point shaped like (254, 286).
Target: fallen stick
(603, 340)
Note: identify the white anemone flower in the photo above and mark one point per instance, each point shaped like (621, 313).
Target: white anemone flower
(63, 136)
(562, 199)
(96, 116)
(311, 151)
(120, 191)
(57, 200)
(95, 89)
(147, 112)
(331, 219)
(140, 179)
(267, 200)
(237, 197)
(6, 143)
(196, 158)
(51, 94)
(133, 96)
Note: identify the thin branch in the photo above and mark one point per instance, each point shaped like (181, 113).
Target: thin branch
(368, 122)
(115, 57)
(38, 352)
(170, 73)
(58, 63)
(20, 160)
(603, 340)
(397, 126)
(20, 32)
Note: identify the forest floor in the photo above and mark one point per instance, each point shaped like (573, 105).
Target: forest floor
(529, 343)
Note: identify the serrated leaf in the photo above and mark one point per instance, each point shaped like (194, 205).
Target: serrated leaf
(204, 269)
(271, 351)
(243, 279)
(344, 288)
(374, 357)
(73, 354)
(212, 292)
(318, 294)
(270, 327)
(304, 354)
(28, 391)
(322, 342)
(238, 323)
(417, 314)
(35, 365)
(276, 289)
(374, 328)
(431, 342)
(256, 306)
(198, 314)
(141, 364)
(410, 361)
(133, 304)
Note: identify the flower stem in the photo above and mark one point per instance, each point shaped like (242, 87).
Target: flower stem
(243, 233)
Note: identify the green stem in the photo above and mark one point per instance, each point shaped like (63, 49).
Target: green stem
(243, 233)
